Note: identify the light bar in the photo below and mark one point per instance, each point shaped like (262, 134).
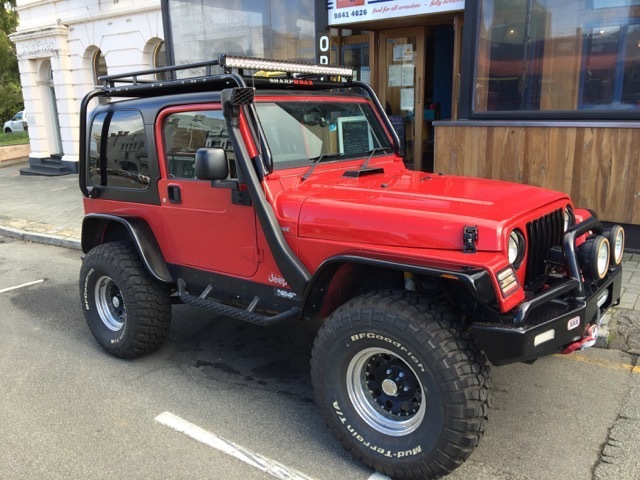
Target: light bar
(227, 61)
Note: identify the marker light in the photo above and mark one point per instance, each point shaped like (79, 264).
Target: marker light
(227, 61)
(508, 281)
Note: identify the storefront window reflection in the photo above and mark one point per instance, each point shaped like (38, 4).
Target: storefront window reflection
(539, 55)
(204, 29)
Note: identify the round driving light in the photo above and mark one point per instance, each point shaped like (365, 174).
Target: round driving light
(594, 257)
(516, 248)
(615, 235)
(603, 258)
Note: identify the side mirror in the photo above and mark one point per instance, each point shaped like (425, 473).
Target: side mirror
(211, 164)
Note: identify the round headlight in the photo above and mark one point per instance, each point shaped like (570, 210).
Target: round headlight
(569, 218)
(516, 249)
(615, 235)
(594, 257)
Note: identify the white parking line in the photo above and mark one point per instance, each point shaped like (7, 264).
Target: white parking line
(378, 476)
(8, 289)
(265, 464)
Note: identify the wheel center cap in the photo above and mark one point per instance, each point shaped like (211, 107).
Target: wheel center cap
(115, 301)
(389, 387)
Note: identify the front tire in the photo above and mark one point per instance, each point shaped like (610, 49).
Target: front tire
(128, 312)
(400, 385)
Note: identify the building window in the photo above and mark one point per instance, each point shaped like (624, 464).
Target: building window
(160, 60)
(205, 29)
(99, 65)
(118, 155)
(572, 56)
(611, 73)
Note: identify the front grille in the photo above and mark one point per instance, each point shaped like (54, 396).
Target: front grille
(543, 233)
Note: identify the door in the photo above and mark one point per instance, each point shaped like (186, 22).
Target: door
(205, 227)
(401, 85)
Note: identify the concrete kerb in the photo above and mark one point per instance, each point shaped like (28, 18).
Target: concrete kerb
(41, 238)
(14, 154)
(15, 161)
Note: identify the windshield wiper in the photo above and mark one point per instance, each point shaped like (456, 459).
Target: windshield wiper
(363, 167)
(315, 161)
(371, 153)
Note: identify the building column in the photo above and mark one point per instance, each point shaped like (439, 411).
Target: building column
(66, 104)
(32, 106)
(37, 51)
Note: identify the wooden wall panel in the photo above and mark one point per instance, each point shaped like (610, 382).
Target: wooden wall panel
(597, 167)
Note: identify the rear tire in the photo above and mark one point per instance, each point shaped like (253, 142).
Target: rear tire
(401, 386)
(128, 312)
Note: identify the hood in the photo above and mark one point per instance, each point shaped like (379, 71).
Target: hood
(415, 209)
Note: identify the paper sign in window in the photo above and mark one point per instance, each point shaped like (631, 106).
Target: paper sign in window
(354, 135)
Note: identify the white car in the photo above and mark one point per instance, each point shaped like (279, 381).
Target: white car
(17, 124)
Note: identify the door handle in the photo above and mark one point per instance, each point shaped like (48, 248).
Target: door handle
(174, 194)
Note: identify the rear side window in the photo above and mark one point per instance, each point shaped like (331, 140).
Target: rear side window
(118, 150)
(185, 132)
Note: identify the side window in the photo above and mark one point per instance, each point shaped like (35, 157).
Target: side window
(186, 132)
(118, 151)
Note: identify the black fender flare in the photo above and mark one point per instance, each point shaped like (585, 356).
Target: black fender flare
(476, 280)
(95, 227)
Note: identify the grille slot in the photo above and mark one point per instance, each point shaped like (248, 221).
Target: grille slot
(543, 233)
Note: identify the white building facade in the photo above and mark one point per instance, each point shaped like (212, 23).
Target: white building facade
(62, 47)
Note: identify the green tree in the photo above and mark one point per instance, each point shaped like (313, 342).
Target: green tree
(10, 88)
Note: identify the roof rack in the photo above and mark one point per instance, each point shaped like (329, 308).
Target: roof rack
(130, 82)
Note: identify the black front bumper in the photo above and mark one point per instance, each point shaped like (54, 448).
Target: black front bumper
(555, 318)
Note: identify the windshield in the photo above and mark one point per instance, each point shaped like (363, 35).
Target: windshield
(299, 131)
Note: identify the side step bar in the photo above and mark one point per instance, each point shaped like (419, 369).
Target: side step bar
(234, 312)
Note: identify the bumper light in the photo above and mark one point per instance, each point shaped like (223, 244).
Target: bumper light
(544, 337)
(508, 281)
(594, 257)
(602, 298)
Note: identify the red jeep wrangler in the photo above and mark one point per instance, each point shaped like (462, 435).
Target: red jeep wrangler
(267, 197)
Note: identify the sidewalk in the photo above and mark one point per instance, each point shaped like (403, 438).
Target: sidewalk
(49, 210)
(40, 209)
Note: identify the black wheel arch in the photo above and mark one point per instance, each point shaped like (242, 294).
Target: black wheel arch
(343, 277)
(98, 228)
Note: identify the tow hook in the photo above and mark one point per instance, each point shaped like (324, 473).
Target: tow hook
(589, 340)
(590, 336)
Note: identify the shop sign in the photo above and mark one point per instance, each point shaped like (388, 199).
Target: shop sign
(352, 11)
(324, 47)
